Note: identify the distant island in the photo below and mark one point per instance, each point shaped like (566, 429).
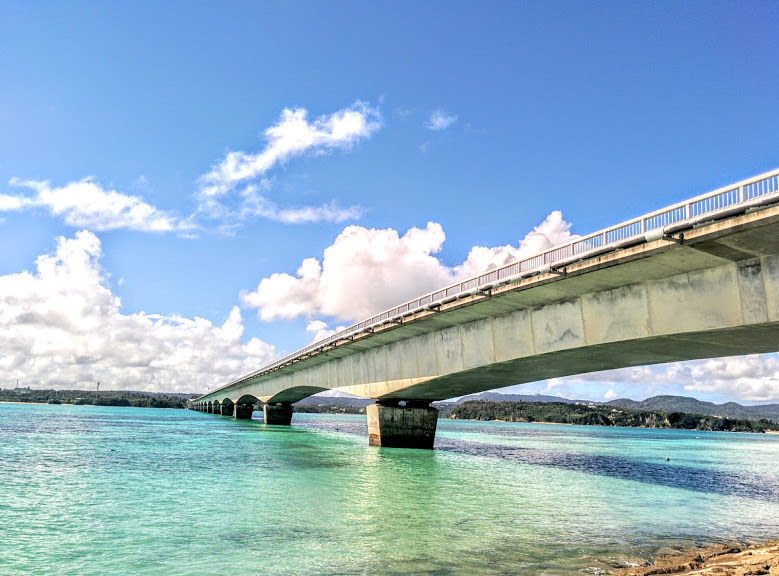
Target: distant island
(95, 398)
(600, 415)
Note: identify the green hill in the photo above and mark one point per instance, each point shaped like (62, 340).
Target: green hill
(691, 405)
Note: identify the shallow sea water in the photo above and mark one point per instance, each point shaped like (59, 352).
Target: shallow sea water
(98, 491)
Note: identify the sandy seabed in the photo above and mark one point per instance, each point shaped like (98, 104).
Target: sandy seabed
(715, 561)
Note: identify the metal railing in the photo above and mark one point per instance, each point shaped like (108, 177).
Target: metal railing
(762, 189)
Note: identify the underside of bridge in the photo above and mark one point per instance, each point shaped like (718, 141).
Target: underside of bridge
(710, 291)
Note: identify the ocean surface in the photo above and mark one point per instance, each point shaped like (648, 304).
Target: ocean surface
(132, 491)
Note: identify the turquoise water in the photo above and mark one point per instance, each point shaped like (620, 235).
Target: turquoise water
(101, 491)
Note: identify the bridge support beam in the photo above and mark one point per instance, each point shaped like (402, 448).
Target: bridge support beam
(278, 414)
(243, 411)
(394, 426)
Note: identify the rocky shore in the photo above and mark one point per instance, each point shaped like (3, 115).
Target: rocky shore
(715, 561)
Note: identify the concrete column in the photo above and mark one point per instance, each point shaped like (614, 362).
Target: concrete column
(278, 414)
(226, 409)
(395, 426)
(243, 411)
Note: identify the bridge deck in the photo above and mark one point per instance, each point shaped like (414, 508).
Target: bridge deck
(649, 265)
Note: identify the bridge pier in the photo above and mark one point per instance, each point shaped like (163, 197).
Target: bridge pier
(243, 411)
(226, 409)
(278, 414)
(394, 426)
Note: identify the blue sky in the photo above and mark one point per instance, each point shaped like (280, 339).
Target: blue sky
(160, 161)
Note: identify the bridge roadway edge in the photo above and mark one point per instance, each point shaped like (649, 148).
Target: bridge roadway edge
(708, 294)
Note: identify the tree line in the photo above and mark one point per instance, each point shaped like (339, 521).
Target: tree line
(562, 413)
(96, 398)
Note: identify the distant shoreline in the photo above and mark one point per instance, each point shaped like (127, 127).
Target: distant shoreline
(129, 398)
(34, 403)
(93, 405)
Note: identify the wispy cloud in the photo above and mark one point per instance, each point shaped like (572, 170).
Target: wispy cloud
(293, 135)
(237, 188)
(86, 204)
(330, 212)
(440, 120)
(256, 204)
(232, 192)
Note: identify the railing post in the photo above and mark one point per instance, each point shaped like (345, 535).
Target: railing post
(740, 194)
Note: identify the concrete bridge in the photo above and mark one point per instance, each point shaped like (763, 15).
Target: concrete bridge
(699, 279)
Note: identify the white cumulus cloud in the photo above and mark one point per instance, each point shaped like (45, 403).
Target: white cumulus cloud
(321, 330)
(362, 272)
(551, 232)
(61, 326)
(752, 378)
(284, 296)
(367, 270)
(440, 120)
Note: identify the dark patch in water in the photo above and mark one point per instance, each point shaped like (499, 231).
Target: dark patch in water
(352, 426)
(684, 477)
(673, 476)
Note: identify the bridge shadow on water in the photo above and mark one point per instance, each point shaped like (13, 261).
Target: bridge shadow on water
(673, 476)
